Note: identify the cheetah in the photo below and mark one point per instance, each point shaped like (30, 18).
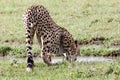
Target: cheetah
(51, 37)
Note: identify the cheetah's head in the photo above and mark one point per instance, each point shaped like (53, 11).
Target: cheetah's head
(74, 53)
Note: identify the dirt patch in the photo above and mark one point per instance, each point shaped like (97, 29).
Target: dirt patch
(117, 44)
(9, 12)
(115, 53)
(6, 41)
(13, 41)
(97, 41)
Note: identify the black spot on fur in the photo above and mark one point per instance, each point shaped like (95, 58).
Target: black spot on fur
(46, 42)
(45, 36)
(29, 42)
(27, 36)
(28, 31)
(29, 47)
(30, 53)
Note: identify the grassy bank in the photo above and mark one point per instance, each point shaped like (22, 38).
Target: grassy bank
(85, 50)
(96, 24)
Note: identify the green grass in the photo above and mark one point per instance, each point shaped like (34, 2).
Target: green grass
(63, 71)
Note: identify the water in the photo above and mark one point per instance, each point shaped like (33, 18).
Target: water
(58, 59)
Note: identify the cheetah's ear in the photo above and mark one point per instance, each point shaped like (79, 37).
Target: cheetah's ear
(76, 42)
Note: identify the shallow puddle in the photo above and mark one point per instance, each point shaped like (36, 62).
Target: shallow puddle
(85, 59)
(58, 59)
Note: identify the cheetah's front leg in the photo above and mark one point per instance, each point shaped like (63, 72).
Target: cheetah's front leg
(45, 54)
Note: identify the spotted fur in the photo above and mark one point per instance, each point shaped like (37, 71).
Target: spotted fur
(51, 37)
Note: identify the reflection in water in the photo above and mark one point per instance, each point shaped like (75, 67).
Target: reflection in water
(58, 59)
